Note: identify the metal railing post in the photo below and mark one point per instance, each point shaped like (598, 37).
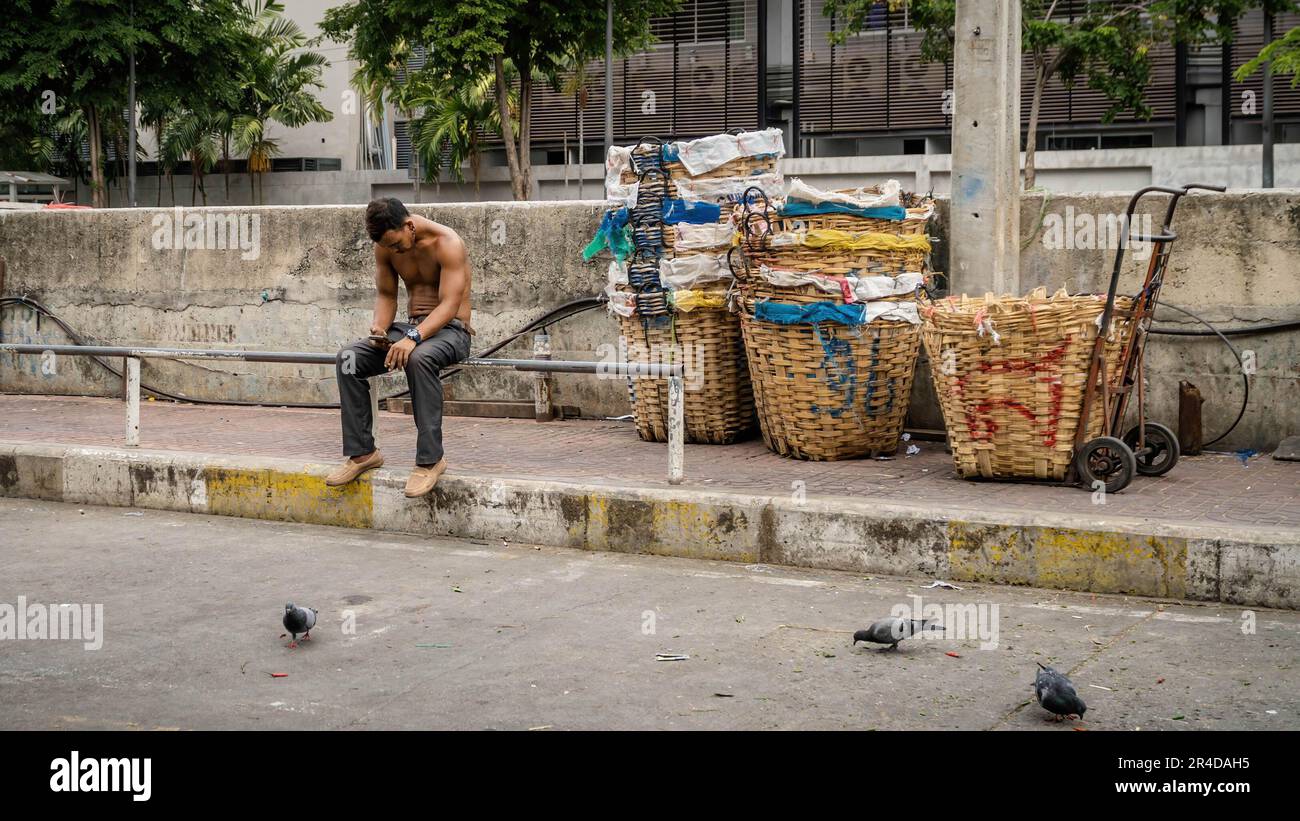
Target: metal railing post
(132, 402)
(543, 411)
(676, 431)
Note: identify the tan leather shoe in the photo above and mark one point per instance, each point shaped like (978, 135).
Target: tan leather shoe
(423, 479)
(350, 470)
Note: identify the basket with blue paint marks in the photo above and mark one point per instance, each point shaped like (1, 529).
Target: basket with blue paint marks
(831, 381)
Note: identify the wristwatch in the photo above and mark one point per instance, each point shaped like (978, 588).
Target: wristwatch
(413, 334)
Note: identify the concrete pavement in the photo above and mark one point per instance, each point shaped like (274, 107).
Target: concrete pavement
(460, 634)
(1217, 528)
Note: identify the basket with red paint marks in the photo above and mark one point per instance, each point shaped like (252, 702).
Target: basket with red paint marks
(1011, 374)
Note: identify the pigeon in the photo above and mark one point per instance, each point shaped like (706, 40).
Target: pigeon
(299, 620)
(1056, 693)
(892, 631)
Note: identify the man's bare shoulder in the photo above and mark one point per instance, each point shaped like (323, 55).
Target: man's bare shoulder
(451, 248)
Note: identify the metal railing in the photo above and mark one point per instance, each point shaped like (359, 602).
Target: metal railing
(132, 356)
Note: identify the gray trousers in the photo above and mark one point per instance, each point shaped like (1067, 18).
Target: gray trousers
(359, 361)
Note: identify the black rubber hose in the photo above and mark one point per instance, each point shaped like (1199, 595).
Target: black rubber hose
(1245, 378)
(1269, 327)
(557, 314)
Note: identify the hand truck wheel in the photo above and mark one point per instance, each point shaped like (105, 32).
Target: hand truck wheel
(1161, 452)
(1106, 460)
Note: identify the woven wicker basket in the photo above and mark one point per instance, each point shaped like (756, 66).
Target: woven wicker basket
(919, 209)
(849, 222)
(1012, 406)
(719, 403)
(830, 391)
(759, 235)
(739, 167)
(832, 260)
(807, 294)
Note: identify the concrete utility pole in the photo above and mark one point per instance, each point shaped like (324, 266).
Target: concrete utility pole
(609, 77)
(1266, 141)
(984, 235)
(130, 134)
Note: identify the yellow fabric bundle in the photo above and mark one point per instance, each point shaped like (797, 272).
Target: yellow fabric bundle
(836, 239)
(690, 300)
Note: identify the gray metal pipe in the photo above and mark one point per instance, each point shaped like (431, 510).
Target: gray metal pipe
(314, 358)
(297, 357)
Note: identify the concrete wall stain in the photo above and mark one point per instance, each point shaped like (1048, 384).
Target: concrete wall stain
(8, 473)
(767, 547)
(629, 525)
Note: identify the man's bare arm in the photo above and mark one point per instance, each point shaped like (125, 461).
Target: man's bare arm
(385, 293)
(451, 286)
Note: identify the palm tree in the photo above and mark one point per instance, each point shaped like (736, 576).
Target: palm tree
(193, 136)
(61, 147)
(157, 115)
(454, 120)
(277, 79)
(576, 84)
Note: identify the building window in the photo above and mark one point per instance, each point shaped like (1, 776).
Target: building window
(1072, 142)
(1127, 140)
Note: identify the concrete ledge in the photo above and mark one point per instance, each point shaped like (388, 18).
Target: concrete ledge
(1245, 566)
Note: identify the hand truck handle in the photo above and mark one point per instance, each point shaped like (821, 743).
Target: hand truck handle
(1166, 234)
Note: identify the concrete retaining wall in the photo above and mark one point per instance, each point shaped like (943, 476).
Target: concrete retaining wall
(309, 287)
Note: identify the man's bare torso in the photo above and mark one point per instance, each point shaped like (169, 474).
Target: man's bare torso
(421, 270)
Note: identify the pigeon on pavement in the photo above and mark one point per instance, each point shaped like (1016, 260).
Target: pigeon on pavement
(892, 631)
(299, 620)
(1056, 693)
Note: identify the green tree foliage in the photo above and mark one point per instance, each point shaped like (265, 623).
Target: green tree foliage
(1107, 44)
(276, 80)
(470, 39)
(210, 76)
(75, 53)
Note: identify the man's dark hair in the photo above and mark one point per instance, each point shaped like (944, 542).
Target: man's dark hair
(383, 215)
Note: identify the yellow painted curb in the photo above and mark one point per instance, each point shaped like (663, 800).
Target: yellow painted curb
(289, 497)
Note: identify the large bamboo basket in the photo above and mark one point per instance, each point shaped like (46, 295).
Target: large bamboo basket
(757, 234)
(757, 288)
(719, 403)
(1012, 406)
(739, 167)
(919, 210)
(864, 261)
(830, 391)
(849, 222)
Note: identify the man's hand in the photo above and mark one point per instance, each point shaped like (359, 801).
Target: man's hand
(398, 354)
(381, 333)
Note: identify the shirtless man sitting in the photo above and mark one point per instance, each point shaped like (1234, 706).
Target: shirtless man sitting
(430, 258)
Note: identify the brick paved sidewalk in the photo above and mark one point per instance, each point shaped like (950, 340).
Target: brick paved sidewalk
(1208, 489)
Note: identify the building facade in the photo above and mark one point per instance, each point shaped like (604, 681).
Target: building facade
(870, 108)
